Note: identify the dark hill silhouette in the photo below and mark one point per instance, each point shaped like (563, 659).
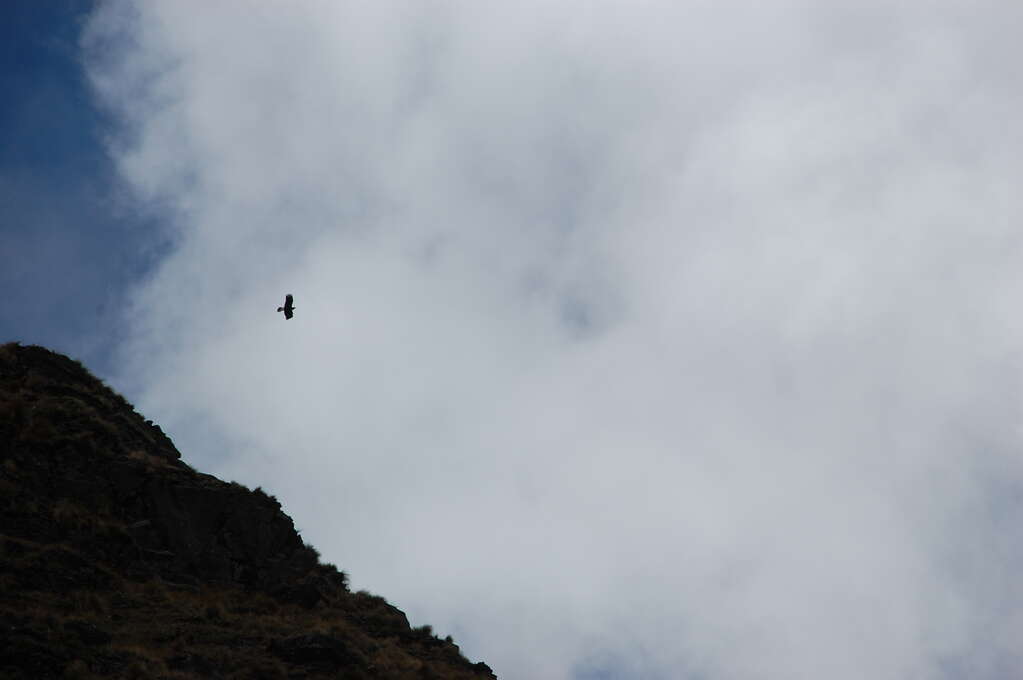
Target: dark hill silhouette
(118, 560)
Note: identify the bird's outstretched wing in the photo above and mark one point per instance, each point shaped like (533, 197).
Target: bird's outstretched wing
(288, 300)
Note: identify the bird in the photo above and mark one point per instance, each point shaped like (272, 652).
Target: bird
(289, 307)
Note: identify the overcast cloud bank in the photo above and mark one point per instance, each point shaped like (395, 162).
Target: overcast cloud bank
(632, 339)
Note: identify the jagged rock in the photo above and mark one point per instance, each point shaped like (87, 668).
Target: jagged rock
(88, 633)
(24, 654)
(317, 649)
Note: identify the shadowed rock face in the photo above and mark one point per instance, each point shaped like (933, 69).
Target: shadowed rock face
(119, 560)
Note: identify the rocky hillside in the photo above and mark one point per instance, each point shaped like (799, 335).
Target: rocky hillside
(117, 560)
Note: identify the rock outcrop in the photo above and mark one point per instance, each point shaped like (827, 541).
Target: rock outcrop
(119, 560)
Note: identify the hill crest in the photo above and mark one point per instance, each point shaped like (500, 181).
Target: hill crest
(119, 560)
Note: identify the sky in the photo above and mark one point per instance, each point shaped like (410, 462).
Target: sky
(632, 339)
(71, 240)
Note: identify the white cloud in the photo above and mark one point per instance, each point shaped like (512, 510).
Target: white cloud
(641, 338)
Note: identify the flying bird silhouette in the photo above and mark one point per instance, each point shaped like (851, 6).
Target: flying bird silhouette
(289, 307)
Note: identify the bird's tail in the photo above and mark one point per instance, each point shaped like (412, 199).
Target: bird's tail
(280, 309)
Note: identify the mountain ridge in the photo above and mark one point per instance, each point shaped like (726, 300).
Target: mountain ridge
(119, 560)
